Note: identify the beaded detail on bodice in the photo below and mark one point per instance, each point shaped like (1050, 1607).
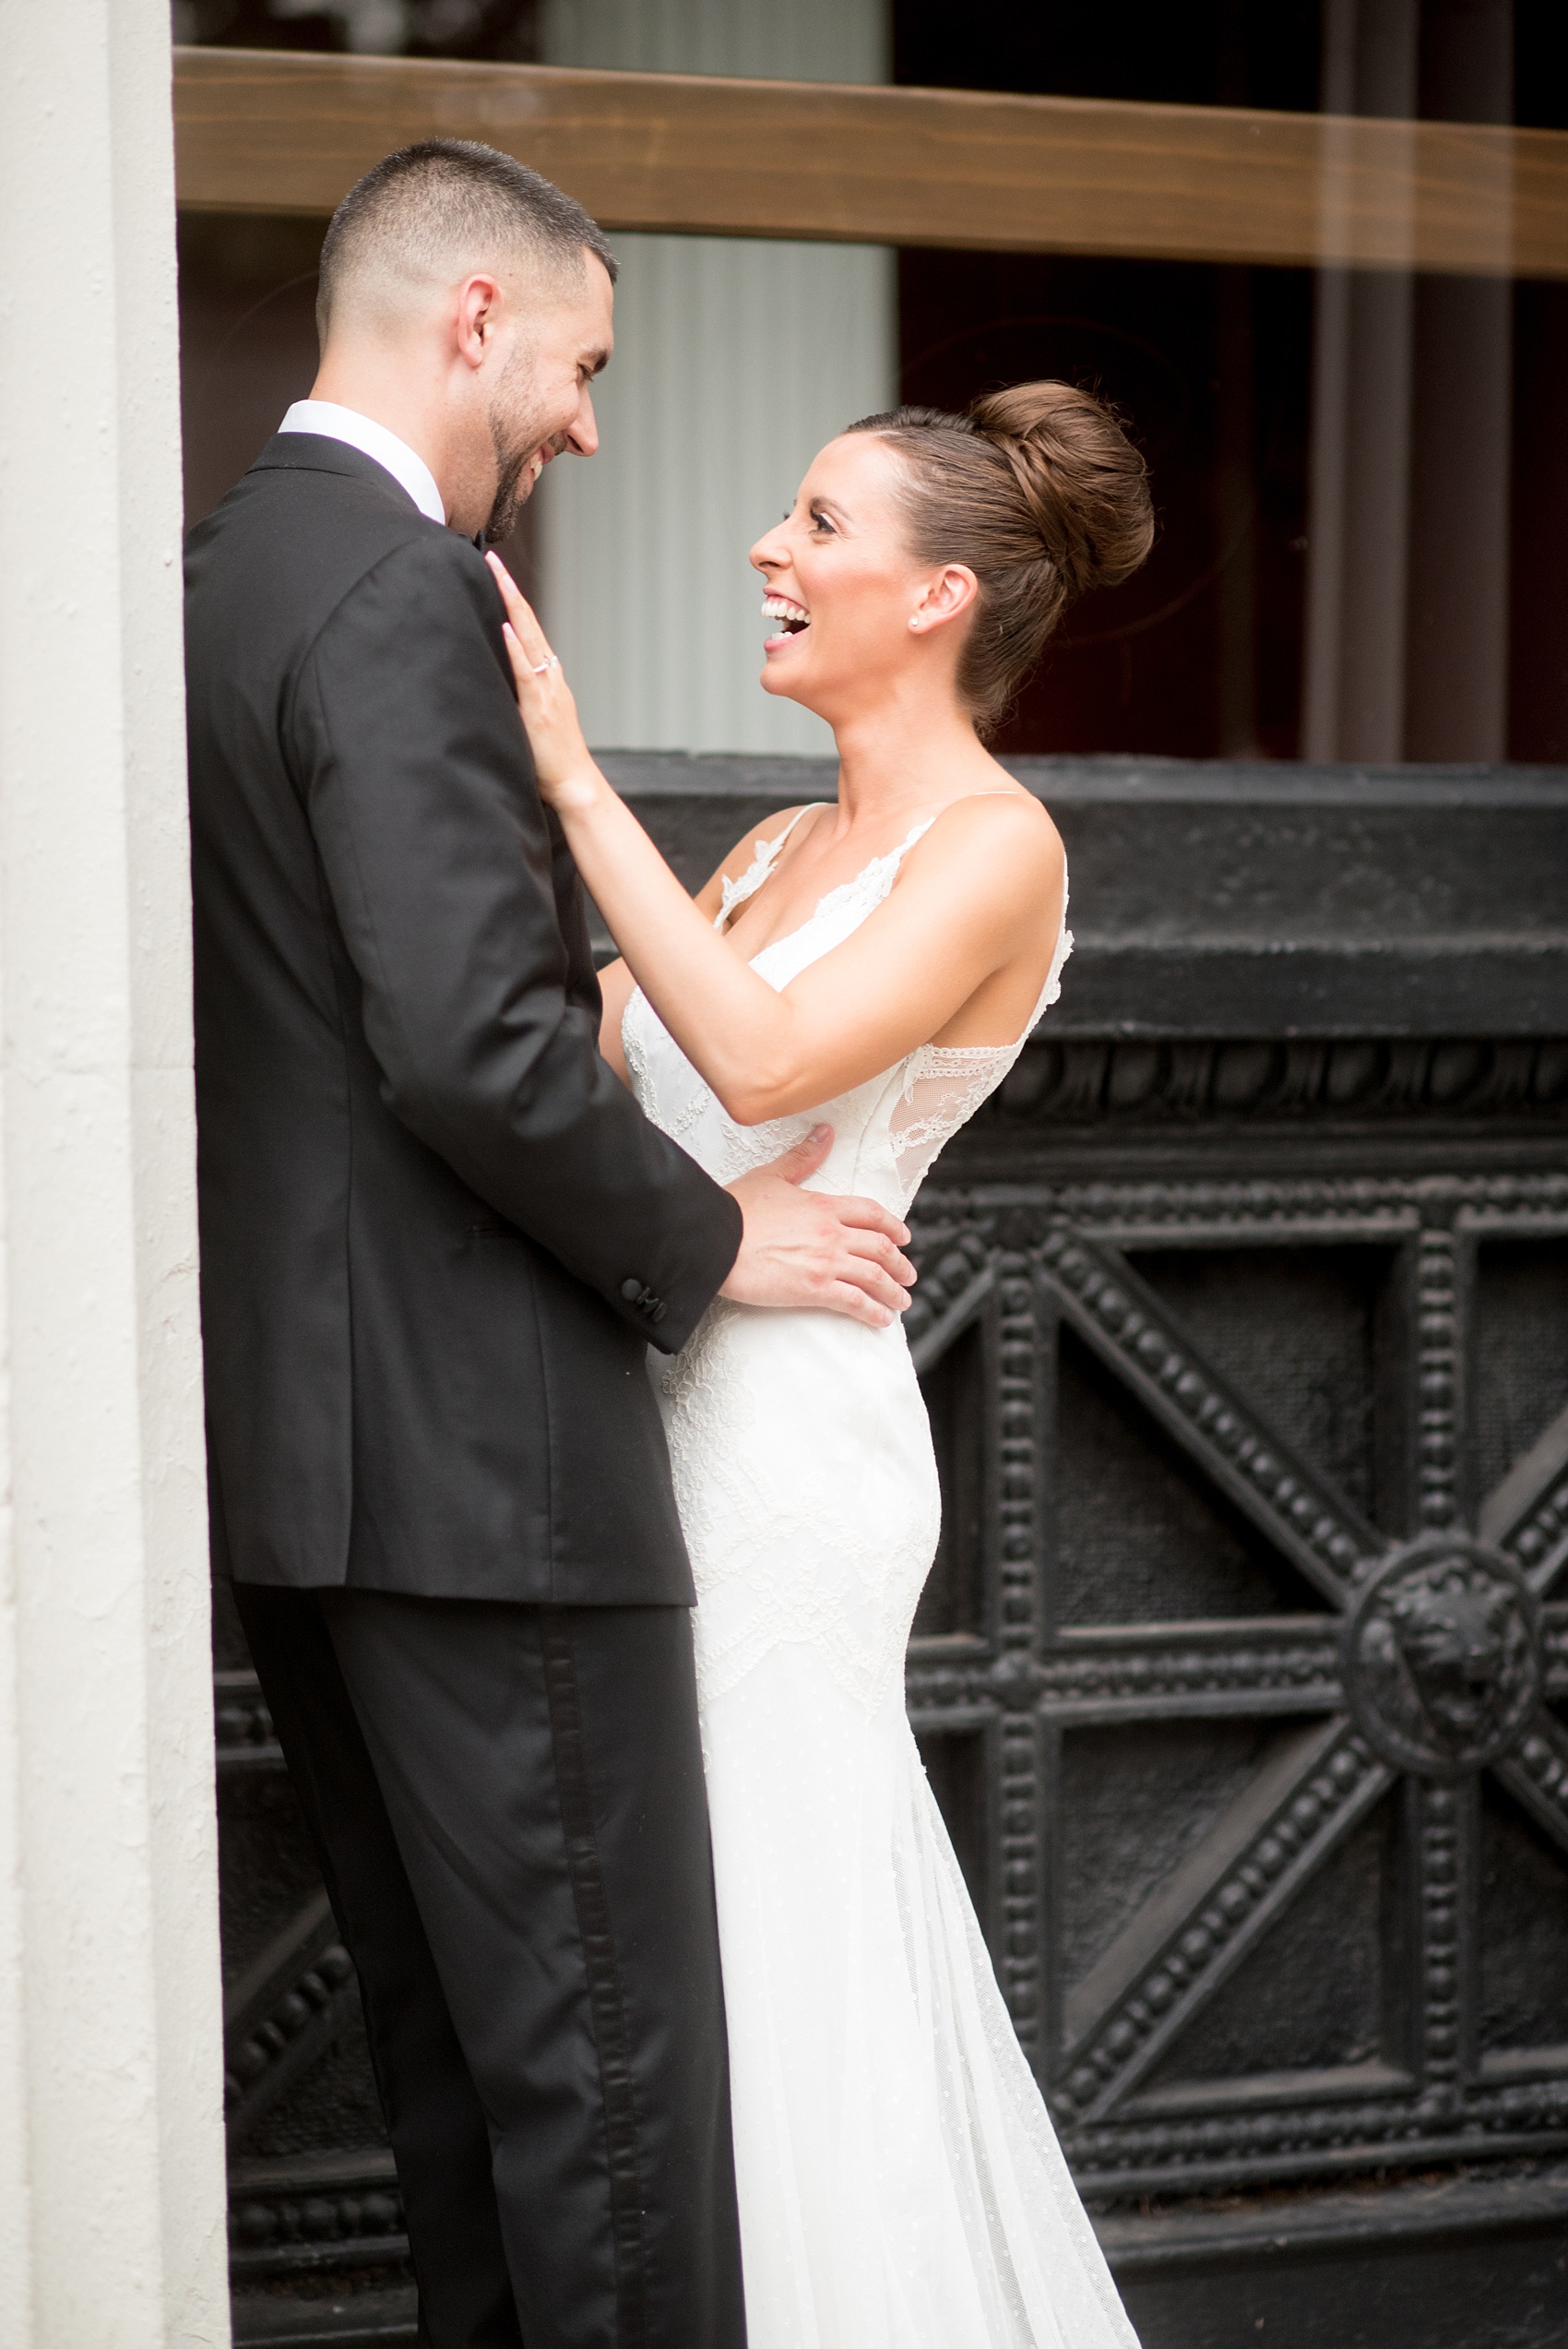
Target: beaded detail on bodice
(887, 1132)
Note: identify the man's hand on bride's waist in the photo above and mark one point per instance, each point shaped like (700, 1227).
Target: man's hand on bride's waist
(809, 1249)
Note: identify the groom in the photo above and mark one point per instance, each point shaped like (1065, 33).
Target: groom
(436, 1236)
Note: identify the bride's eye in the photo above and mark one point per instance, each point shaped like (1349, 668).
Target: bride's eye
(821, 522)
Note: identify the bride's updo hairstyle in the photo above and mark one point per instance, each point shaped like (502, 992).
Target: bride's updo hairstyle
(1040, 492)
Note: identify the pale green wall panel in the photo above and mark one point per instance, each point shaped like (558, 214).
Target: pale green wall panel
(735, 360)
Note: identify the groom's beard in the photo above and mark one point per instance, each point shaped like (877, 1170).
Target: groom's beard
(512, 487)
(514, 484)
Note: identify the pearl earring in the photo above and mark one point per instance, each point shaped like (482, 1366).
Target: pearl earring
(914, 624)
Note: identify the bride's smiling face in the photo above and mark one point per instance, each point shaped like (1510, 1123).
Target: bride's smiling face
(850, 612)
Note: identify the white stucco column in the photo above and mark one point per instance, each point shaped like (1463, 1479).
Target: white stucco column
(735, 359)
(111, 2152)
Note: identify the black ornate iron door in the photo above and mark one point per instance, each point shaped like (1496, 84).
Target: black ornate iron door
(1324, 1744)
(1243, 1672)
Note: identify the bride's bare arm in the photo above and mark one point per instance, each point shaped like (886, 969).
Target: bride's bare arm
(615, 985)
(987, 881)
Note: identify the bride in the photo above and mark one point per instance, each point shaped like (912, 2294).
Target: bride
(872, 964)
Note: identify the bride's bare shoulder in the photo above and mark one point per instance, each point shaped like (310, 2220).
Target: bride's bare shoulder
(1005, 827)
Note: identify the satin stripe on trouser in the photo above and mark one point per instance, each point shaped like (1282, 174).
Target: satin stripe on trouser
(519, 1792)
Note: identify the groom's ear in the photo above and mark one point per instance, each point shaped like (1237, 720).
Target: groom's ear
(481, 307)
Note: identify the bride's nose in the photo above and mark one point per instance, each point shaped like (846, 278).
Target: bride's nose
(767, 555)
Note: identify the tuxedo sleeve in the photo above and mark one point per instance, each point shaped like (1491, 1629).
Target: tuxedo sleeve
(417, 778)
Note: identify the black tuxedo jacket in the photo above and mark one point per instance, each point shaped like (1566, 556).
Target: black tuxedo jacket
(436, 1232)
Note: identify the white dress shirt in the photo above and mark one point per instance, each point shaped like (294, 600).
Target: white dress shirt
(410, 472)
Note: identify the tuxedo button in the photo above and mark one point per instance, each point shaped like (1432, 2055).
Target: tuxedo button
(632, 1291)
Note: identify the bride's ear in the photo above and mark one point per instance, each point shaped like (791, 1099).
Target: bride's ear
(947, 594)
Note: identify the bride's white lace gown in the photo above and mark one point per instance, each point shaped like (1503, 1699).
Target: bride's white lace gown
(900, 2186)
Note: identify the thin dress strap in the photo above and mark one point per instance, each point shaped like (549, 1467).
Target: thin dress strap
(916, 832)
(735, 893)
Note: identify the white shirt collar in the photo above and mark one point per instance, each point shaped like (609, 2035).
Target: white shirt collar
(410, 472)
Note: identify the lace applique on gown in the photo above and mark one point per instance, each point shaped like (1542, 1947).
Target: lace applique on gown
(900, 2184)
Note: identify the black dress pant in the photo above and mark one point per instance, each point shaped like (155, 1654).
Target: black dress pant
(508, 1802)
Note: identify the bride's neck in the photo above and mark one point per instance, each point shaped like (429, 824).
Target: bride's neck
(903, 754)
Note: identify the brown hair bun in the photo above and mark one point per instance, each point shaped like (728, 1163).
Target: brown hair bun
(1041, 492)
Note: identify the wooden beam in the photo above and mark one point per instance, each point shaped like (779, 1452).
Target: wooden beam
(267, 131)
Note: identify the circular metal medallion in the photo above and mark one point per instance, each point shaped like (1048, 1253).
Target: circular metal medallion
(1443, 1656)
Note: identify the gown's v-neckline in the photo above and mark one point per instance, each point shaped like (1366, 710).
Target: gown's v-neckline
(765, 864)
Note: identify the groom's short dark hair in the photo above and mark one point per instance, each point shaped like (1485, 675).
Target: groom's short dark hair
(437, 209)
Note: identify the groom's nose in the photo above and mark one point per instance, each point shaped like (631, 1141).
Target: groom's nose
(584, 434)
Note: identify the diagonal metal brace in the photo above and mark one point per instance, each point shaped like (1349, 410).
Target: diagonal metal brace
(1527, 1513)
(1536, 1774)
(282, 2011)
(1191, 1936)
(1129, 1328)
